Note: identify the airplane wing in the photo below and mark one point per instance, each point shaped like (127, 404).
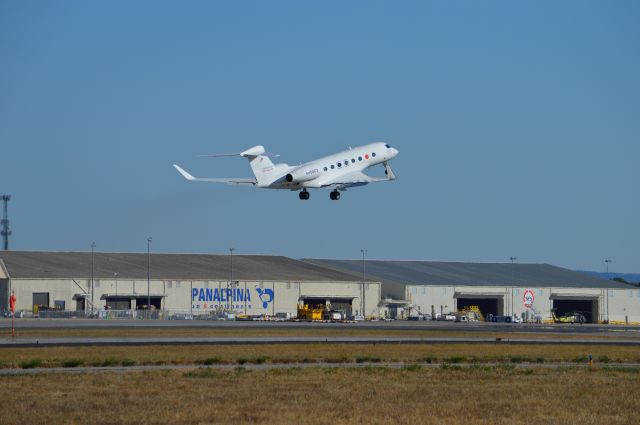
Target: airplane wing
(228, 180)
(356, 178)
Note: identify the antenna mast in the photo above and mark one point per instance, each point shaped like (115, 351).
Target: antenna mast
(4, 223)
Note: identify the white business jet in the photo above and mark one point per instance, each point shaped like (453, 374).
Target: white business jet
(339, 171)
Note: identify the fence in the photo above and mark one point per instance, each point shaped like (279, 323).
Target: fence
(127, 314)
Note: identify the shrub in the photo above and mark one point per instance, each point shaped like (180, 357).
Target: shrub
(259, 360)
(342, 359)
(111, 361)
(368, 359)
(72, 363)
(30, 364)
(212, 360)
(580, 359)
(128, 362)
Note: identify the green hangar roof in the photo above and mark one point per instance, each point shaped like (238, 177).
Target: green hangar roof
(394, 275)
(61, 265)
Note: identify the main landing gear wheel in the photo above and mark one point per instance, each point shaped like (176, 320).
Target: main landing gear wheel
(335, 195)
(304, 195)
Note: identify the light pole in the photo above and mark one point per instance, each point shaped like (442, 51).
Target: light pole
(115, 276)
(364, 271)
(607, 261)
(93, 247)
(149, 274)
(231, 280)
(513, 259)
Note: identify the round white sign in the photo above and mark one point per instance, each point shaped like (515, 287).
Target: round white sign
(528, 298)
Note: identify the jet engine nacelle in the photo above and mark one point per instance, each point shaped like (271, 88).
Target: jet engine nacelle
(303, 174)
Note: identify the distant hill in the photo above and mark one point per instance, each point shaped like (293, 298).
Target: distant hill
(629, 277)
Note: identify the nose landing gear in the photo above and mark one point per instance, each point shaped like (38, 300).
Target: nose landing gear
(303, 195)
(335, 195)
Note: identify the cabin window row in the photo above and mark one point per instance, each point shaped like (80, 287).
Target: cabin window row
(346, 161)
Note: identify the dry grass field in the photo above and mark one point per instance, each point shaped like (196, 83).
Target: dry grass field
(447, 395)
(307, 353)
(415, 394)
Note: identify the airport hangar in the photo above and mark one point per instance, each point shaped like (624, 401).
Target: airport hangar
(194, 284)
(526, 290)
(265, 285)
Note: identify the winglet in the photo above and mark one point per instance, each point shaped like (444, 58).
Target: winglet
(184, 173)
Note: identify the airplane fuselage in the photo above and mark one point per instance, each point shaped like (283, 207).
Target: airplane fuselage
(321, 172)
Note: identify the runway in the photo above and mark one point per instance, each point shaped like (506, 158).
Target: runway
(540, 334)
(378, 325)
(236, 340)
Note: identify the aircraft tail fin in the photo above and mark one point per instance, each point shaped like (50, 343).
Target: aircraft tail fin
(261, 164)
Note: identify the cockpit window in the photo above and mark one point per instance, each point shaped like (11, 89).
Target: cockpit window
(388, 147)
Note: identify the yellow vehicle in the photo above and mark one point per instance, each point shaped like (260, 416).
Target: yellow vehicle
(575, 317)
(310, 313)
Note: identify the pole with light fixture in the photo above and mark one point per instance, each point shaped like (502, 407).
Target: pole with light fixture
(364, 278)
(93, 248)
(149, 240)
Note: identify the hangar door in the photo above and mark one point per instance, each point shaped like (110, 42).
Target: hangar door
(41, 299)
(120, 303)
(588, 307)
(488, 304)
(337, 304)
(156, 302)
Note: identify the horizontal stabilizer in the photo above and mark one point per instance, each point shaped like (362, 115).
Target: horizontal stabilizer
(251, 152)
(228, 180)
(184, 173)
(218, 155)
(254, 151)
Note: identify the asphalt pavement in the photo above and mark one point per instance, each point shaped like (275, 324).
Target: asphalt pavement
(200, 340)
(377, 325)
(580, 334)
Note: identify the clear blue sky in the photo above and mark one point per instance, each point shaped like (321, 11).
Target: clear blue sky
(517, 122)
